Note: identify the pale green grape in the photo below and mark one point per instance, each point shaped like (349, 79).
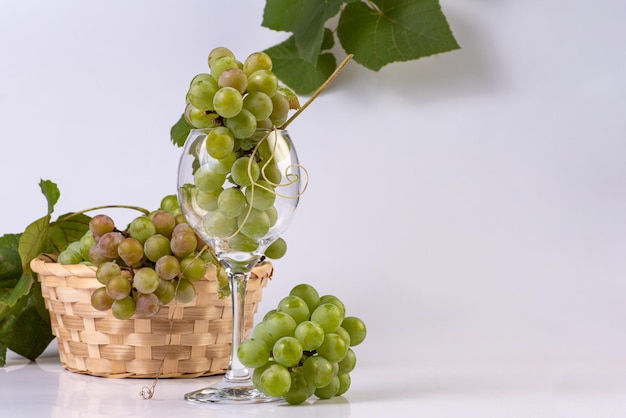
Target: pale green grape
(219, 65)
(242, 125)
(231, 202)
(258, 371)
(272, 214)
(208, 200)
(275, 380)
(219, 142)
(261, 195)
(260, 333)
(334, 348)
(166, 291)
(259, 104)
(335, 301)
(235, 78)
(219, 225)
(257, 61)
(86, 242)
(318, 371)
(192, 267)
(69, 256)
(146, 305)
(344, 335)
(123, 308)
(222, 165)
(287, 351)
(277, 249)
(170, 203)
(280, 324)
(300, 390)
(100, 300)
(167, 267)
(207, 180)
(328, 316)
(240, 242)
(295, 307)
(280, 109)
(107, 270)
(118, 287)
(356, 328)
(141, 228)
(199, 118)
(254, 224)
(239, 171)
(130, 251)
(253, 352)
(146, 280)
(227, 102)
(310, 335)
(185, 291)
(328, 391)
(219, 52)
(156, 247)
(263, 81)
(307, 293)
(348, 363)
(344, 383)
(201, 92)
(271, 172)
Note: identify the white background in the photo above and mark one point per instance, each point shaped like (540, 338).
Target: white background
(471, 206)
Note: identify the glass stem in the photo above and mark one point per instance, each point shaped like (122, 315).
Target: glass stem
(238, 281)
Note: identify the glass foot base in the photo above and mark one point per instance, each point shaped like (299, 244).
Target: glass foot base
(242, 394)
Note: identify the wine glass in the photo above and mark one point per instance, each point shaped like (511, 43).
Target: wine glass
(239, 205)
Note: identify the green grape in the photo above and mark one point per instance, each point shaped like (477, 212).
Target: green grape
(219, 142)
(109, 242)
(219, 52)
(199, 118)
(280, 109)
(280, 324)
(164, 222)
(265, 124)
(277, 249)
(141, 228)
(100, 300)
(223, 165)
(259, 332)
(156, 247)
(201, 92)
(310, 335)
(235, 78)
(183, 243)
(130, 251)
(344, 335)
(307, 293)
(318, 371)
(263, 81)
(335, 301)
(166, 291)
(208, 200)
(271, 173)
(227, 102)
(287, 351)
(275, 380)
(344, 383)
(123, 308)
(107, 270)
(295, 307)
(272, 214)
(253, 352)
(86, 242)
(185, 291)
(207, 180)
(258, 371)
(259, 104)
(69, 256)
(254, 223)
(240, 174)
(240, 242)
(101, 224)
(167, 267)
(334, 348)
(219, 65)
(261, 195)
(257, 61)
(356, 328)
(146, 280)
(170, 203)
(193, 268)
(242, 125)
(348, 363)
(328, 316)
(216, 224)
(146, 305)
(231, 202)
(118, 287)
(300, 390)
(328, 391)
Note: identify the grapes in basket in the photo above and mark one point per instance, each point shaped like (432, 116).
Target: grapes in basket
(304, 347)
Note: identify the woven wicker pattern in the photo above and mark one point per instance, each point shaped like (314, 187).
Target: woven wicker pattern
(184, 340)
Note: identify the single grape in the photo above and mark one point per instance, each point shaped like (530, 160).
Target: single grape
(69, 256)
(219, 225)
(223, 165)
(348, 363)
(141, 228)
(257, 61)
(167, 267)
(240, 242)
(254, 223)
(107, 270)
(318, 371)
(328, 391)
(335, 301)
(272, 214)
(146, 305)
(244, 171)
(334, 348)
(146, 280)
(263, 81)
(183, 244)
(356, 328)
(170, 203)
(259, 104)
(192, 267)
(344, 383)
(344, 335)
(280, 109)
(261, 195)
(235, 78)
(130, 251)
(123, 308)
(157, 246)
(101, 224)
(253, 352)
(201, 92)
(200, 119)
(100, 300)
(242, 125)
(109, 242)
(259, 332)
(300, 389)
(164, 222)
(270, 172)
(208, 200)
(275, 380)
(328, 316)
(280, 324)
(185, 291)
(207, 180)
(310, 335)
(96, 257)
(219, 65)
(277, 249)
(219, 52)
(231, 202)
(86, 241)
(227, 102)
(295, 307)
(219, 142)
(166, 291)
(118, 287)
(258, 371)
(287, 351)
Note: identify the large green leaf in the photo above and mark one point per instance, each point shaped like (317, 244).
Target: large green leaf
(65, 230)
(394, 30)
(33, 241)
(302, 76)
(305, 19)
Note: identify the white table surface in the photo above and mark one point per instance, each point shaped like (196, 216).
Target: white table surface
(534, 390)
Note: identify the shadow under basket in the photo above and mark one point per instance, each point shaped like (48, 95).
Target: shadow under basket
(180, 341)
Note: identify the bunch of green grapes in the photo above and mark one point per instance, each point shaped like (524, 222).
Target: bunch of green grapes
(148, 264)
(303, 347)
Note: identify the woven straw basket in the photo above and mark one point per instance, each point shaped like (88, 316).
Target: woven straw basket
(182, 340)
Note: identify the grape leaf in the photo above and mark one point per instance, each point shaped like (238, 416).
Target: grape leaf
(394, 30)
(180, 131)
(65, 230)
(305, 19)
(302, 76)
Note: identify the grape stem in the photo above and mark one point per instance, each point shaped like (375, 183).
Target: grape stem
(318, 91)
(73, 214)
